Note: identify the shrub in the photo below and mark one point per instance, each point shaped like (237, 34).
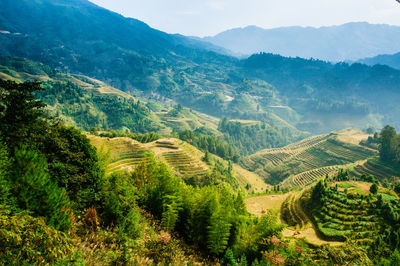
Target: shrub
(28, 240)
(374, 188)
(130, 225)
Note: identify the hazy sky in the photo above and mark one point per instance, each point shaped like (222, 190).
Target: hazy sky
(209, 17)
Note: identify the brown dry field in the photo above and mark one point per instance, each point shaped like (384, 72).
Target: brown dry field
(353, 136)
(259, 205)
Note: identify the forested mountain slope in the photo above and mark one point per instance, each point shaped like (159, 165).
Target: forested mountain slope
(129, 55)
(392, 60)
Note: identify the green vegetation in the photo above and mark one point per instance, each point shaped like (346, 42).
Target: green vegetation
(354, 211)
(251, 138)
(59, 177)
(298, 164)
(209, 143)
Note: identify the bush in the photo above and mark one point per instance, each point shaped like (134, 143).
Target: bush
(374, 188)
(28, 240)
(130, 225)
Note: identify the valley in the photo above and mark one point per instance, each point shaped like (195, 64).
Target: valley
(121, 144)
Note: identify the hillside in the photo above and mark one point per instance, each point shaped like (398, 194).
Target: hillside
(392, 60)
(100, 105)
(298, 164)
(350, 41)
(125, 154)
(291, 94)
(348, 210)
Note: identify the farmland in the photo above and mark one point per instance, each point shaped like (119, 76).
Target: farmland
(349, 211)
(299, 164)
(125, 154)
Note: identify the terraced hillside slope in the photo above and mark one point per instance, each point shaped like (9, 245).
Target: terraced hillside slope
(298, 164)
(348, 210)
(125, 154)
(291, 213)
(87, 102)
(375, 167)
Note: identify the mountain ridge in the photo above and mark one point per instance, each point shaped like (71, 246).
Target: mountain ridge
(352, 41)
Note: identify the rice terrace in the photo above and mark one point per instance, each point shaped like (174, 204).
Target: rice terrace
(223, 133)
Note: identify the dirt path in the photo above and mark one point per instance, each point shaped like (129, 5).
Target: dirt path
(310, 235)
(259, 205)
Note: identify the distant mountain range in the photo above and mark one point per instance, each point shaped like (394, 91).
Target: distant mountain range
(392, 60)
(292, 95)
(351, 41)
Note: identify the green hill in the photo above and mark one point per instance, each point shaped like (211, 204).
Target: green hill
(347, 210)
(298, 164)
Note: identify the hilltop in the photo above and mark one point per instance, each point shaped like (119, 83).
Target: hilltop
(392, 60)
(186, 161)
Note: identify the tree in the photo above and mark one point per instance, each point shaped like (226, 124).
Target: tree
(388, 144)
(374, 189)
(35, 191)
(218, 232)
(20, 113)
(318, 192)
(4, 182)
(74, 164)
(228, 259)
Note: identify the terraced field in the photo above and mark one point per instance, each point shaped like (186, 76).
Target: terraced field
(300, 163)
(345, 217)
(374, 167)
(307, 177)
(289, 206)
(126, 154)
(184, 159)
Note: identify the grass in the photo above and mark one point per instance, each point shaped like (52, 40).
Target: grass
(346, 185)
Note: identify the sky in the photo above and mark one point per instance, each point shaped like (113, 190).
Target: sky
(210, 17)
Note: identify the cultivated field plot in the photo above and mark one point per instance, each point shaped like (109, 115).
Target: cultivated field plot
(260, 204)
(348, 214)
(126, 154)
(300, 227)
(374, 167)
(300, 163)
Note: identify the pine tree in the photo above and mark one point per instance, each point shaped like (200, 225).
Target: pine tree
(228, 259)
(36, 192)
